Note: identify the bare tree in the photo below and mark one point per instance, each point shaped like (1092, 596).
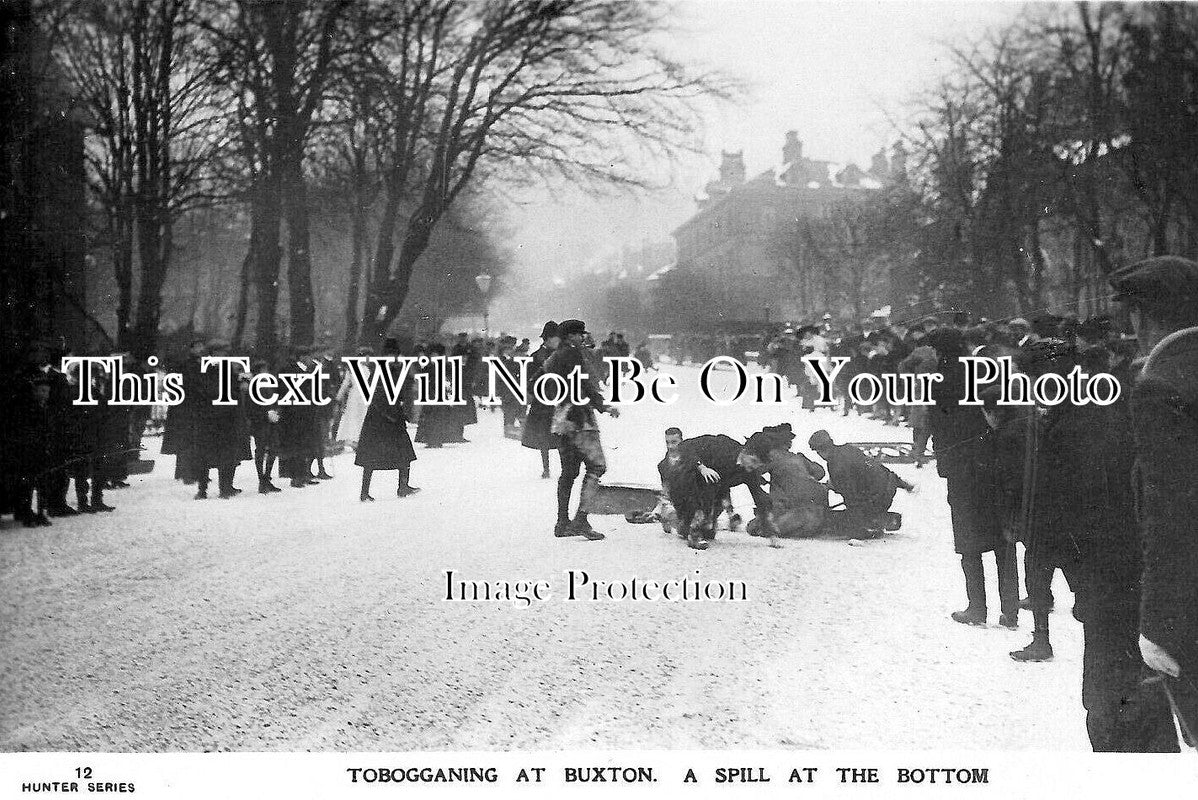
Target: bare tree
(547, 87)
(133, 66)
(276, 58)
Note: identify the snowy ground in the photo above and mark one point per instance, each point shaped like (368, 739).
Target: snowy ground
(308, 621)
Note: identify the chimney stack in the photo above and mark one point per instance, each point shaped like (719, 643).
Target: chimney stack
(792, 150)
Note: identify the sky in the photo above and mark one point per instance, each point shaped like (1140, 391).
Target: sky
(836, 72)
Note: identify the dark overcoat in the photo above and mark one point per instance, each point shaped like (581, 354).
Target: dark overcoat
(218, 436)
(1164, 408)
(384, 442)
(537, 435)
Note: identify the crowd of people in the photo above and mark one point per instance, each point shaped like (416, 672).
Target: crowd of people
(49, 443)
(1106, 495)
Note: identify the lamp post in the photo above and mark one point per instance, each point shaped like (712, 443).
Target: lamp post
(483, 282)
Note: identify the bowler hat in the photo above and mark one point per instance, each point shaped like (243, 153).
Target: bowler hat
(550, 330)
(1159, 283)
(571, 326)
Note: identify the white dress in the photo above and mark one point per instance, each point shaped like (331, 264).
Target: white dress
(353, 412)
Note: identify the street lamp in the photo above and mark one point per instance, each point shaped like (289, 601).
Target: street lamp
(483, 282)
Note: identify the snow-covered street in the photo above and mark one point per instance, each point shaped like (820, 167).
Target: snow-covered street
(307, 620)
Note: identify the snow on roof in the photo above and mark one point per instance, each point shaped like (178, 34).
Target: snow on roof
(659, 273)
(780, 173)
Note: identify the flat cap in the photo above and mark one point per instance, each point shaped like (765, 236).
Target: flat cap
(1160, 282)
(819, 439)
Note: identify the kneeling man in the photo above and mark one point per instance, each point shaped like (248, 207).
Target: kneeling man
(697, 475)
(867, 486)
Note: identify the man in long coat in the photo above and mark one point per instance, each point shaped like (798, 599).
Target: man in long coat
(1162, 294)
(219, 439)
(536, 434)
(1083, 523)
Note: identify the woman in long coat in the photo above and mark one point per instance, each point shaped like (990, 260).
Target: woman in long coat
(176, 432)
(384, 442)
(536, 435)
(438, 423)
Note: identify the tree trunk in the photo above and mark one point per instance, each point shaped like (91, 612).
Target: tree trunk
(122, 265)
(420, 230)
(380, 272)
(299, 254)
(357, 245)
(267, 258)
(1160, 227)
(241, 314)
(154, 243)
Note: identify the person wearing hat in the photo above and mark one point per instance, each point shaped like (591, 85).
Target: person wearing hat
(578, 428)
(866, 486)
(299, 426)
(30, 448)
(1161, 295)
(220, 436)
(383, 441)
(984, 504)
(798, 503)
(697, 475)
(539, 417)
(1082, 521)
(960, 435)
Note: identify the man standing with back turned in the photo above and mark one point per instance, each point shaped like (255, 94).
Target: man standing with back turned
(1162, 296)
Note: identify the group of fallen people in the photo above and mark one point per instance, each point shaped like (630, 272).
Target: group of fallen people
(698, 474)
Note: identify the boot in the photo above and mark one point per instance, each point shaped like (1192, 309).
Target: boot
(1039, 650)
(97, 503)
(562, 529)
(970, 617)
(1009, 621)
(405, 488)
(1026, 604)
(581, 526)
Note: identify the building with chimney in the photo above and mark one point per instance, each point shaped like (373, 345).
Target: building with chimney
(729, 253)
